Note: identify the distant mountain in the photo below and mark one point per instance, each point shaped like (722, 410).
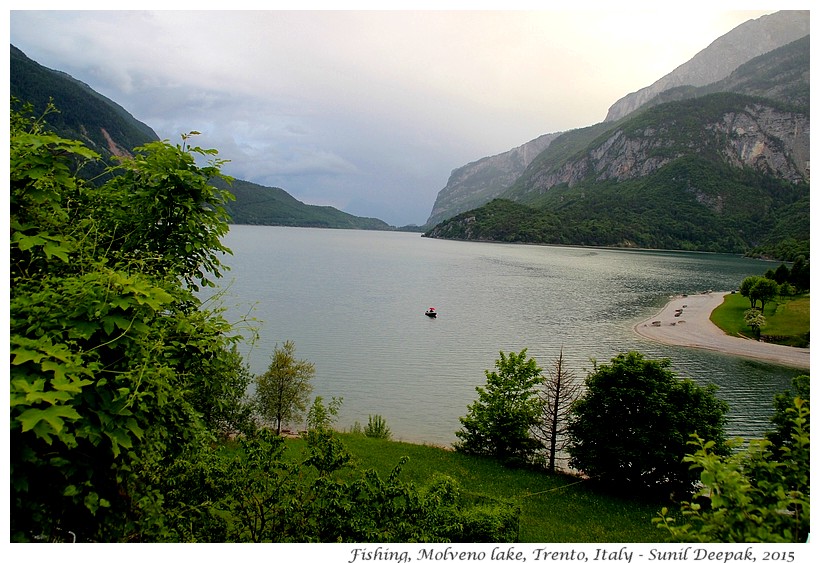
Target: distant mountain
(110, 130)
(724, 66)
(478, 182)
(262, 205)
(722, 57)
(654, 136)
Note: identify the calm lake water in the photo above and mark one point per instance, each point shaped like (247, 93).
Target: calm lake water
(353, 303)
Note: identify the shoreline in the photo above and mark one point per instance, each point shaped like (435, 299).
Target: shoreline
(684, 321)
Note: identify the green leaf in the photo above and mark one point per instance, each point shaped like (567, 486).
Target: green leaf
(60, 251)
(52, 415)
(24, 355)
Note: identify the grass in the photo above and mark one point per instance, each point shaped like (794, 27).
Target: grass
(554, 508)
(787, 320)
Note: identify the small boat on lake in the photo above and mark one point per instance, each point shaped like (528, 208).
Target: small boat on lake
(431, 312)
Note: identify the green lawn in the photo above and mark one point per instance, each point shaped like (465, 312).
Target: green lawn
(554, 508)
(787, 320)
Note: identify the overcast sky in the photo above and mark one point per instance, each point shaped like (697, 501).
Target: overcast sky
(369, 111)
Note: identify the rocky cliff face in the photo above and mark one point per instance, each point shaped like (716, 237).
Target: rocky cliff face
(478, 182)
(723, 56)
(756, 135)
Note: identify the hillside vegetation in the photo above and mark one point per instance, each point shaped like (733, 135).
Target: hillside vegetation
(263, 205)
(83, 115)
(555, 508)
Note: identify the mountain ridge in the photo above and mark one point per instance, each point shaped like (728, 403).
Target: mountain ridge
(733, 51)
(724, 55)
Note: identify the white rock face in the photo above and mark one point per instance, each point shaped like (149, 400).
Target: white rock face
(724, 55)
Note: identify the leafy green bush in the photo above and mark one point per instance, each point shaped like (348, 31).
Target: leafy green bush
(760, 494)
(498, 423)
(631, 428)
(115, 367)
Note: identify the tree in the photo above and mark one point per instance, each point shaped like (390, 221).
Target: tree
(632, 426)
(498, 423)
(782, 419)
(763, 290)
(780, 275)
(799, 274)
(559, 393)
(283, 390)
(116, 367)
(746, 289)
(377, 428)
(760, 494)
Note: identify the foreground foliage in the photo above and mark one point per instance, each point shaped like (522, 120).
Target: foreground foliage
(554, 507)
(758, 494)
(114, 365)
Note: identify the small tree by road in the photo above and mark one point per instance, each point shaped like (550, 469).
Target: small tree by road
(498, 423)
(282, 392)
(764, 290)
(759, 288)
(746, 289)
(755, 320)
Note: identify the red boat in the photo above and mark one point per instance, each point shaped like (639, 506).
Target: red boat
(431, 312)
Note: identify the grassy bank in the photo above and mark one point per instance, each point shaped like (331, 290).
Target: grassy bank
(787, 321)
(554, 508)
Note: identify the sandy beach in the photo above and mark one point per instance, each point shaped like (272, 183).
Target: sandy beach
(685, 322)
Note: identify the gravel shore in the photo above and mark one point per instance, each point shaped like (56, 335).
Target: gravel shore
(685, 322)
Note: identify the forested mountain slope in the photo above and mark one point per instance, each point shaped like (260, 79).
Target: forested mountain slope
(724, 172)
(83, 115)
(263, 205)
(481, 181)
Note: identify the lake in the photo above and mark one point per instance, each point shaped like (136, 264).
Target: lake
(353, 303)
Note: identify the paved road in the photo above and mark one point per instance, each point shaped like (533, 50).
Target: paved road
(692, 328)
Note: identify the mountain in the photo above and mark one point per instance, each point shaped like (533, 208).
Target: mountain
(713, 170)
(262, 205)
(781, 74)
(110, 130)
(478, 182)
(723, 56)
(729, 64)
(84, 114)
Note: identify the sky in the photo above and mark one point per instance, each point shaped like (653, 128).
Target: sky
(369, 111)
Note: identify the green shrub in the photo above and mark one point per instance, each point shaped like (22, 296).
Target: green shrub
(377, 428)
